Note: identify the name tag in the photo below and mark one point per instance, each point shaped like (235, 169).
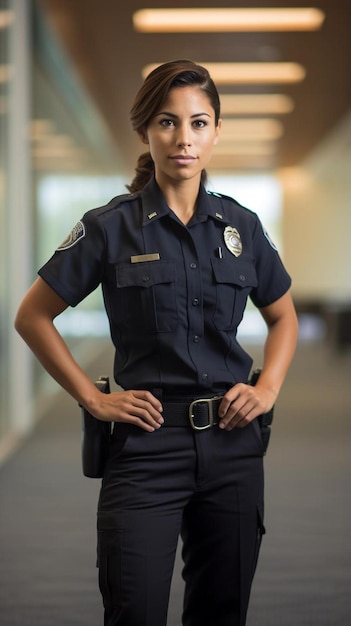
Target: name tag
(141, 258)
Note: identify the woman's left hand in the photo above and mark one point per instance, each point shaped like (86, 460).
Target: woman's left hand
(242, 403)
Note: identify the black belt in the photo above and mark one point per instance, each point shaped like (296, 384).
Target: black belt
(200, 414)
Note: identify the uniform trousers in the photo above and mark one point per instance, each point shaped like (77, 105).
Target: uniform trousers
(205, 486)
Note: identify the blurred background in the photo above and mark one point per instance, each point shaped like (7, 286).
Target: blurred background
(69, 70)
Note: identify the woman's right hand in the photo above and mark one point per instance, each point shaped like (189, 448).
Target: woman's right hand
(34, 322)
(137, 407)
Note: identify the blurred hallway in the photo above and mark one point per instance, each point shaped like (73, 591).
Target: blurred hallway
(47, 519)
(66, 146)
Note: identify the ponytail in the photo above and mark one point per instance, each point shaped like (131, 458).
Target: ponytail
(143, 172)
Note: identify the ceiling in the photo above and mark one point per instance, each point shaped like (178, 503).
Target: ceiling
(109, 55)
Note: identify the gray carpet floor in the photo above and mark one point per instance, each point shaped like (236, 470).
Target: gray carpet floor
(47, 517)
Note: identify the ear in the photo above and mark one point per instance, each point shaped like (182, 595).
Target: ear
(218, 132)
(142, 136)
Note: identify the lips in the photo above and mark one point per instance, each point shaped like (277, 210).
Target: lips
(183, 158)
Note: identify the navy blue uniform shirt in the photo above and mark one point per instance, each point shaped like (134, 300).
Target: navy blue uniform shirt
(173, 315)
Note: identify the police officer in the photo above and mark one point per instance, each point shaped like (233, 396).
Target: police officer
(176, 265)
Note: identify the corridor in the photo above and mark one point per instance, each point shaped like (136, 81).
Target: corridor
(47, 519)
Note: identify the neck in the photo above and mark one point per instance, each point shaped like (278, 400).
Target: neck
(181, 197)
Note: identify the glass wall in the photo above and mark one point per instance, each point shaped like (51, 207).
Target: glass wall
(56, 161)
(6, 18)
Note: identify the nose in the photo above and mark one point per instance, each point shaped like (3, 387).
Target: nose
(183, 137)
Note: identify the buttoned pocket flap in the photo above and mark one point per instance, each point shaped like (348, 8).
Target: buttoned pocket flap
(145, 274)
(236, 272)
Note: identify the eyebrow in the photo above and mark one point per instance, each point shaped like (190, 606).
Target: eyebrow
(169, 114)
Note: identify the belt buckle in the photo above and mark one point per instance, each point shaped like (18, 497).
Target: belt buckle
(209, 403)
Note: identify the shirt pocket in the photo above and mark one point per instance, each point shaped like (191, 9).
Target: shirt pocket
(147, 295)
(234, 279)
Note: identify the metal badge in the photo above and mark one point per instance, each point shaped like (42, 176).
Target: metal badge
(233, 241)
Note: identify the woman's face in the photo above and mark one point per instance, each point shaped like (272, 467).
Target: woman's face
(182, 134)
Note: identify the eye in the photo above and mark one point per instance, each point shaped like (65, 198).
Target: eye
(200, 123)
(166, 123)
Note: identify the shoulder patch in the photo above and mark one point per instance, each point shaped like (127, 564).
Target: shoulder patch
(77, 233)
(270, 240)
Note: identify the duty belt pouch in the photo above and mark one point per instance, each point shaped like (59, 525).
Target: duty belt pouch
(96, 437)
(264, 420)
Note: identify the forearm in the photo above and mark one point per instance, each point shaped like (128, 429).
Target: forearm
(136, 407)
(46, 343)
(242, 403)
(279, 350)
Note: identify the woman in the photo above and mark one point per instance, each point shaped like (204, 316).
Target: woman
(176, 265)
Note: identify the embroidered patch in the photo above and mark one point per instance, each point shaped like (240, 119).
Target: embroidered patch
(77, 233)
(270, 240)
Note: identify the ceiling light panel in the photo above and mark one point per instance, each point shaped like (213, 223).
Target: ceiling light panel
(256, 104)
(262, 148)
(258, 73)
(263, 129)
(6, 18)
(249, 73)
(227, 20)
(40, 129)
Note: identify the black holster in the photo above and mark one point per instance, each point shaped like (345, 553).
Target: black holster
(264, 420)
(96, 436)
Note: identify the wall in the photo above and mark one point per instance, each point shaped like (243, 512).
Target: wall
(317, 220)
(42, 108)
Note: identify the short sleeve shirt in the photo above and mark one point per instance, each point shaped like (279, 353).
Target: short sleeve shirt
(174, 293)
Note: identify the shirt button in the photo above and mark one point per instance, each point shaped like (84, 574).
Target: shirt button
(193, 266)
(195, 301)
(196, 338)
(242, 278)
(146, 278)
(204, 376)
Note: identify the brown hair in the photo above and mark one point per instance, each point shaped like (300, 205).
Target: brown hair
(153, 93)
